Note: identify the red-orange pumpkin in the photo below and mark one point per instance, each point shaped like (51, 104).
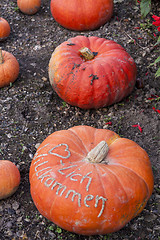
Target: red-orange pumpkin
(90, 181)
(4, 29)
(29, 6)
(91, 72)
(9, 68)
(81, 15)
(9, 178)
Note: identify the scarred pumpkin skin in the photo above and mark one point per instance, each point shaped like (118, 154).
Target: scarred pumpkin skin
(10, 179)
(90, 193)
(9, 68)
(106, 79)
(29, 7)
(4, 29)
(81, 15)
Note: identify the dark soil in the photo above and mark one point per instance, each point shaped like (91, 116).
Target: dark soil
(30, 110)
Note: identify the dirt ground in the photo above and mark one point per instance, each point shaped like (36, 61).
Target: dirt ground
(30, 110)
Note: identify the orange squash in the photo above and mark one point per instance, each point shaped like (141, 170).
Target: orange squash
(81, 15)
(9, 68)
(91, 72)
(90, 181)
(9, 178)
(29, 7)
(4, 29)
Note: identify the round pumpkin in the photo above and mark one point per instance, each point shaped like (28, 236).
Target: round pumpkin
(4, 29)
(81, 15)
(90, 181)
(91, 72)
(29, 7)
(9, 68)
(10, 178)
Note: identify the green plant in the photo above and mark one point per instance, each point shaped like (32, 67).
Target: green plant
(51, 228)
(157, 74)
(145, 6)
(58, 230)
(64, 104)
(157, 23)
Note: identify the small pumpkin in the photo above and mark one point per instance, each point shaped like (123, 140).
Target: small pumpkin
(90, 181)
(91, 72)
(5, 29)
(81, 15)
(9, 68)
(10, 179)
(29, 7)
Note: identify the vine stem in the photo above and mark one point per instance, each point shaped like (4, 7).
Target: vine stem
(99, 153)
(86, 53)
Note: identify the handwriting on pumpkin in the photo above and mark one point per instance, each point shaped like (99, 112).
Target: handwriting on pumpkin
(43, 174)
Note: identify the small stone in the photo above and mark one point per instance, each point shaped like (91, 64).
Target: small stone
(53, 235)
(9, 135)
(150, 217)
(9, 224)
(157, 228)
(44, 79)
(19, 219)
(15, 205)
(37, 145)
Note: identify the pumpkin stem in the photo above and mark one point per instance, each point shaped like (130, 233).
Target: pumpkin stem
(97, 154)
(1, 57)
(86, 53)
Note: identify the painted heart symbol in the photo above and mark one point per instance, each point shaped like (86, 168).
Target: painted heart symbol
(65, 150)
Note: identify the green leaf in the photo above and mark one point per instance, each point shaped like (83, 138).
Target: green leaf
(58, 230)
(157, 73)
(158, 41)
(156, 61)
(145, 7)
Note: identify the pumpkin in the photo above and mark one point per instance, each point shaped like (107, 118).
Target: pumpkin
(4, 29)
(81, 15)
(9, 68)
(90, 181)
(91, 72)
(10, 178)
(29, 7)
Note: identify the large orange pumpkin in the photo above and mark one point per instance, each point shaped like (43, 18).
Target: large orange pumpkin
(4, 29)
(9, 178)
(9, 68)
(91, 72)
(29, 7)
(90, 181)
(81, 15)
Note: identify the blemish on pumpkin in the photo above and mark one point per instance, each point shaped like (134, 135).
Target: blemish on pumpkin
(75, 66)
(71, 44)
(94, 77)
(95, 53)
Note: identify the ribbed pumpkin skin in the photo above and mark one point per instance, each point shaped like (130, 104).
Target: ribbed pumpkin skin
(99, 82)
(4, 29)
(9, 69)
(86, 197)
(81, 15)
(29, 7)
(9, 178)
